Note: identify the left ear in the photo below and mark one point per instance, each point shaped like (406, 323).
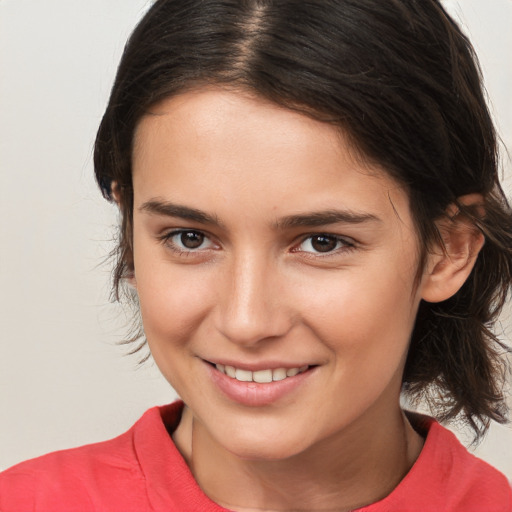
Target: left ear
(448, 267)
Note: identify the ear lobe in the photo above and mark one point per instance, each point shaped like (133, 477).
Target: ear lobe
(114, 187)
(448, 267)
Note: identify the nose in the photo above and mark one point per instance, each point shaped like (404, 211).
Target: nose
(252, 308)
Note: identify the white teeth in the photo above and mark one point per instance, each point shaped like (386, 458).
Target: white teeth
(279, 374)
(260, 376)
(243, 375)
(291, 372)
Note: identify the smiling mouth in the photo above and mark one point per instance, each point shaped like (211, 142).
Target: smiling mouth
(260, 376)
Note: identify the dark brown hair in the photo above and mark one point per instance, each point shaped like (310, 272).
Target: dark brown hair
(400, 78)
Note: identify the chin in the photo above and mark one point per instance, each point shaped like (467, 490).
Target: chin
(264, 448)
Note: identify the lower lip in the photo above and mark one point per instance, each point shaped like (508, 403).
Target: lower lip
(255, 394)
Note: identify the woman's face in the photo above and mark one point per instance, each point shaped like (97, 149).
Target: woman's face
(263, 247)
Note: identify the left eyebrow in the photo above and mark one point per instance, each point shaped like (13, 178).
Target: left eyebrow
(326, 217)
(168, 209)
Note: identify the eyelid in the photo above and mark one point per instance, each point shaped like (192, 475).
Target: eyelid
(166, 240)
(347, 244)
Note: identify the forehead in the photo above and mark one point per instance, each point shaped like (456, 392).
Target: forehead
(220, 150)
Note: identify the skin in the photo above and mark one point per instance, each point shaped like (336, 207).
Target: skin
(257, 291)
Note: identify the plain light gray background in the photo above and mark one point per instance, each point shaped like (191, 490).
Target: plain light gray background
(63, 379)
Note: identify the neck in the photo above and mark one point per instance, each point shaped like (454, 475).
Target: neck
(359, 466)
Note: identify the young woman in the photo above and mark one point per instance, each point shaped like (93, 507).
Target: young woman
(312, 225)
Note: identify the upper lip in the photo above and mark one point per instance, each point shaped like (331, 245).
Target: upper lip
(256, 366)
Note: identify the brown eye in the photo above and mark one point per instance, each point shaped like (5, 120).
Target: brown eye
(188, 241)
(323, 243)
(191, 239)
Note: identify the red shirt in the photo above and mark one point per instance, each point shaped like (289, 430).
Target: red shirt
(142, 470)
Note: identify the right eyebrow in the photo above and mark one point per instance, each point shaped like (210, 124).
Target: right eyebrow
(168, 209)
(324, 218)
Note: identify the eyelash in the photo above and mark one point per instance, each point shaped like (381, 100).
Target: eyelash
(167, 241)
(346, 245)
(342, 245)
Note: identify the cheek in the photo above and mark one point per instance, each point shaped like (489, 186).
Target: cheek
(365, 314)
(173, 307)
(173, 299)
